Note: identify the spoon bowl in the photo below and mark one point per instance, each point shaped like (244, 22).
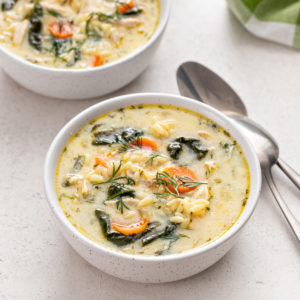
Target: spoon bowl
(198, 82)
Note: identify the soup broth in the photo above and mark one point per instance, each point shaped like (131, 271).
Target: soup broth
(152, 180)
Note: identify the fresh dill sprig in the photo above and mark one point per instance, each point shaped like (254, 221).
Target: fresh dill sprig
(120, 205)
(171, 184)
(53, 13)
(152, 157)
(167, 181)
(189, 182)
(161, 195)
(117, 189)
(114, 179)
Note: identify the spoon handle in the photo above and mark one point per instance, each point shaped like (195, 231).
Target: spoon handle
(289, 171)
(294, 224)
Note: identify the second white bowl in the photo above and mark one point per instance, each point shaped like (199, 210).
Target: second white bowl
(85, 83)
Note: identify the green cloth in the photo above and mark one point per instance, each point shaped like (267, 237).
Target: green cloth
(277, 20)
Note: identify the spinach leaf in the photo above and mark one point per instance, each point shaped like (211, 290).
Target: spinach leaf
(195, 145)
(129, 134)
(119, 190)
(134, 11)
(8, 4)
(174, 149)
(118, 136)
(117, 238)
(35, 26)
(105, 138)
(77, 55)
(60, 46)
(164, 233)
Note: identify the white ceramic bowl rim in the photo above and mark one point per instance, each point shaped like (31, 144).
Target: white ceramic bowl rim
(54, 204)
(164, 15)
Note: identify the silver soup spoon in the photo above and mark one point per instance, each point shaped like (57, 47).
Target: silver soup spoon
(198, 82)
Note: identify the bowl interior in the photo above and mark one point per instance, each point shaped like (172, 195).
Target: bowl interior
(96, 110)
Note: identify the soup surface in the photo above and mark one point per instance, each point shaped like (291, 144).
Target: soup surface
(152, 180)
(76, 33)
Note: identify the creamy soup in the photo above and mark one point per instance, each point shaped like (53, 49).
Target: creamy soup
(76, 33)
(152, 180)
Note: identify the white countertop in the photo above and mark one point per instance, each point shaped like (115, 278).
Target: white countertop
(35, 260)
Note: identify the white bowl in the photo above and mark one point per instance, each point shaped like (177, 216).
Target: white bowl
(150, 268)
(84, 83)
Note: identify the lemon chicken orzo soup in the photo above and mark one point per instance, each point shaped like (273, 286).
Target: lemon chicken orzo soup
(152, 180)
(76, 33)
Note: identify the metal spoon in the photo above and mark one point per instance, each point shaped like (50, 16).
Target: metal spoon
(198, 82)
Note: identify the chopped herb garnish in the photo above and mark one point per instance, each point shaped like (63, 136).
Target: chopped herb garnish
(54, 13)
(114, 179)
(171, 184)
(152, 157)
(167, 181)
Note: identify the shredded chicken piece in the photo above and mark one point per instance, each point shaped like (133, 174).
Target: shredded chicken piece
(116, 36)
(129, 22)
(20, 32)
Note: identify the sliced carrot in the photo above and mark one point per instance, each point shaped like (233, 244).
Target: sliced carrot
(131, 228)
(126, 7)
(98, 61)
(100, 161)
(145, 143)
(61, 31)
(176, 172)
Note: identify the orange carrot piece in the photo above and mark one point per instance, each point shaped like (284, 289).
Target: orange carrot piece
(131, 228)
(176, 172)
(98, 61)
(61, 31)
(100, 161)
(126, 7)
(145, 143)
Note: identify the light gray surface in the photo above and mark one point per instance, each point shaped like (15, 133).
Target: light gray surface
(37, 263)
